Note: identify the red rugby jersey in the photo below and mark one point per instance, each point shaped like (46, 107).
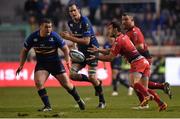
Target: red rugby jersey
(137, 38)
(124, 47)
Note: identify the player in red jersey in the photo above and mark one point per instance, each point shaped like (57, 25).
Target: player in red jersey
(140, 68)
(137, 39)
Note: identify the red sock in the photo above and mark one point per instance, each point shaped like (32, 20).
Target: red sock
(153, 85)
(139, 87)
(139, 95)
(156, 96)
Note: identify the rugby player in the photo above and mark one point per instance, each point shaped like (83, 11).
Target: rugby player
(83, 35)
(46, 43)
(140, 68)
(137, 38)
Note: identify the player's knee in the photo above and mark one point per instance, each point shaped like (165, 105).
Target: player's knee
(72, 74)
(39, 85)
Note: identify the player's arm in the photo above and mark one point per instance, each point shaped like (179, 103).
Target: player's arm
(139, 39)
(105, 58)
(65, 50)
(104, 51)
(23, 57)
(100, 50)
(24, 52)
(68, 36)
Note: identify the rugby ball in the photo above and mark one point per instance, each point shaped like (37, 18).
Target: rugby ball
(76, 56)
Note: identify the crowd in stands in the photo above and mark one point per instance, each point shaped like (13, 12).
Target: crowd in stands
(160, 27)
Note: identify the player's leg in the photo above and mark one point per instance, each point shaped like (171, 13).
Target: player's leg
(97, 85)
(115, 79)
(163, 86)
(162, 105)
(115, 66)
(40, 76)
(123, 79)
(74, 72)
(139, 87)
(58, 71)
(65, 82)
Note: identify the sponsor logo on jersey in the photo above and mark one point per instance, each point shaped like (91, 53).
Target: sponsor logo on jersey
(35, 40)
(51, 39)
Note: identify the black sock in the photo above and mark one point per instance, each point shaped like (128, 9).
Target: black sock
(84, 78)
(44, 97)
(124, 82)
(74, 93)
(99, 90)
(114, 84)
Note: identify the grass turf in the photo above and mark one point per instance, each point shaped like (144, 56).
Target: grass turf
(24, 102)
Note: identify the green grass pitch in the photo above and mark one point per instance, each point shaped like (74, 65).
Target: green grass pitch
(24, 103)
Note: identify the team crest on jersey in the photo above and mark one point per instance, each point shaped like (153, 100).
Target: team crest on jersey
(87, 26)
(35, 40)
(134, 33)
(71, 25)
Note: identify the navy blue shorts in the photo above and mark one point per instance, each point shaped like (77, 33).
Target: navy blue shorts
(53, 68)
(116, 63)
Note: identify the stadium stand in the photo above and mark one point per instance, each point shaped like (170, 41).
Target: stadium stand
(159, 21)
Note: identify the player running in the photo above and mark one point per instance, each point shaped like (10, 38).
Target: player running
(46, 43)
(137, 39)
(140, 68)
(83, 35)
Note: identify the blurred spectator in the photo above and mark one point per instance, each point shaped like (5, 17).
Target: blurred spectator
(147, 24)
(93, 6)
(55, 11)
(104, 10)
(43, 9)
(31, 7)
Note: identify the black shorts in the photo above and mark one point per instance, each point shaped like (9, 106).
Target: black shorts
(53, 68)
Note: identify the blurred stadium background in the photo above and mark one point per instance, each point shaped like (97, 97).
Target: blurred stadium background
(158, 19)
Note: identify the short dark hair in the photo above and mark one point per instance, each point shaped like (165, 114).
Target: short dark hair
(125, 14)
(45, 20)
(115, 24)
(73, 2)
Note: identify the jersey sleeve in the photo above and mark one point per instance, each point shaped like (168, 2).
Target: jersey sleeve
(28, 42)
(86, 28)
(59, 40)
(138, 37)
(116, 47)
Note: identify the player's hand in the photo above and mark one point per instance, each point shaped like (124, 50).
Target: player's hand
(18, 70)
(92, 57)
(93, 49)
(65, 35)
